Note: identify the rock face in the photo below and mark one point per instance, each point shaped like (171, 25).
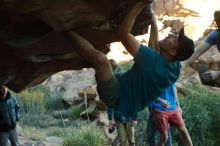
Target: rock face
(68, 84)
(33, 40)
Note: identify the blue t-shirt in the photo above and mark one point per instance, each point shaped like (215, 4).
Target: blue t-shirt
(148, 78)
(168, 95)
(214, 39)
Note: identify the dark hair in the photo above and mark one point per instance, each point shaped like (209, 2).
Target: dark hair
(113, 62)
(185, 47)
(217, 15)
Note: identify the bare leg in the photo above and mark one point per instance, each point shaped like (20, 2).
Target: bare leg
(163, 138)
(93, 56)
(186, 139)
(121, 133)
(130, 133)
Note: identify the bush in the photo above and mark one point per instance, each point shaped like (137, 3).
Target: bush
(88, 136)
(202, 114)
(32, 105)
(75, 111)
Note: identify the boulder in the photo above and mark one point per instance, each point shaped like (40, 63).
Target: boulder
(33, 39)
(68, 84)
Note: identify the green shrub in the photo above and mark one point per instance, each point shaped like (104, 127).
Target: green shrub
(75, 111)
(202, 114)
(88, 136)
(54, 103)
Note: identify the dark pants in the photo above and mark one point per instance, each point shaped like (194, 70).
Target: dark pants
(11, 135)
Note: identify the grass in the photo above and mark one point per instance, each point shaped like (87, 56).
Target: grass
(54, 103)
(87, 136)
(33, 133)
(32, 106)
(35, 106)
(56, 131)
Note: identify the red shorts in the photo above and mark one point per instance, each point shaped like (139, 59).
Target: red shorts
(162, 118)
